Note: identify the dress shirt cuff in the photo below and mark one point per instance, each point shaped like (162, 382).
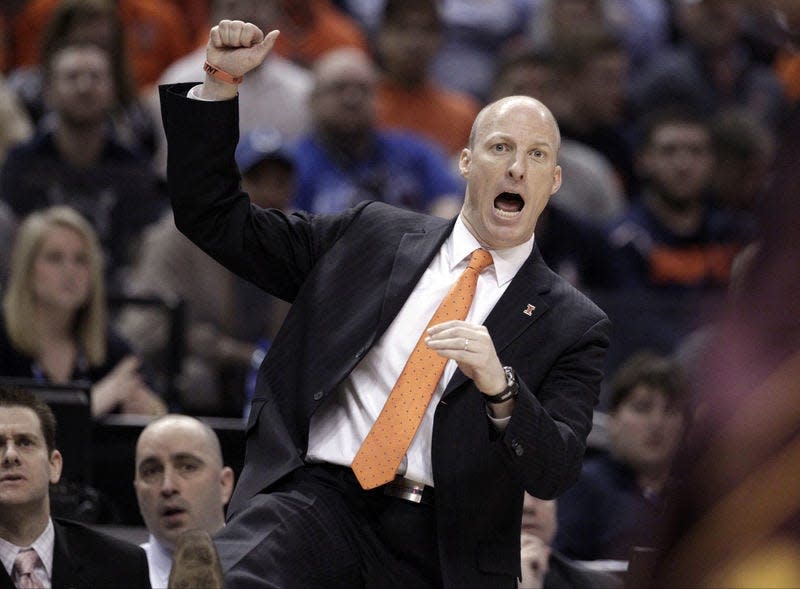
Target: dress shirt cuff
(501, 423)
(194, 94)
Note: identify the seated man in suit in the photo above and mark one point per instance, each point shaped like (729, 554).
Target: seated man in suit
(428, 373)
(181, 484)
(37, 550)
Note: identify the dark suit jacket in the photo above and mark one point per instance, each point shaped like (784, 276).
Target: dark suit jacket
(347, 276)
(84, 558)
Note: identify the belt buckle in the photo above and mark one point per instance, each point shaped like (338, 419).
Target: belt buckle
(404, 488)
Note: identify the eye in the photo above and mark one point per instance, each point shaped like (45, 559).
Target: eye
(537, 154)
(499, 147)
(149, 472)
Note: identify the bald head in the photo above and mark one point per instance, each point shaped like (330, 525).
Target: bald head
(180, 481)
(500, 108)
(191, 429)
(347, 63)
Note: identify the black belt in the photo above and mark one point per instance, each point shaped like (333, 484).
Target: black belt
(399, 488)
(403, 488)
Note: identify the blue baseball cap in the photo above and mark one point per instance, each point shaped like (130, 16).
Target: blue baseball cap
(258, 145)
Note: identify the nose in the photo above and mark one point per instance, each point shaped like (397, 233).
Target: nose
(10, 455)
(169, 483)
(516, 167)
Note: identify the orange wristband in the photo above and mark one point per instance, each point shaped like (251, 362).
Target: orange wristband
(222, 75)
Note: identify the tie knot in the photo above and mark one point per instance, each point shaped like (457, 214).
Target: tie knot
(480, 259)
(26, 561)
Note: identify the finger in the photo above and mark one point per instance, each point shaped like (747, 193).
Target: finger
(250, 35)
(215, 38)
(270, 39)
(439, 327)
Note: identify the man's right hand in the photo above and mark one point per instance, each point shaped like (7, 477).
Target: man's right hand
(235, 47)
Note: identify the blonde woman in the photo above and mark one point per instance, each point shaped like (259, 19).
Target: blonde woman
(54, 321)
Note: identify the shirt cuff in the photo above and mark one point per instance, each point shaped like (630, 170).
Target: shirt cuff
(501, 423)
(194, 94)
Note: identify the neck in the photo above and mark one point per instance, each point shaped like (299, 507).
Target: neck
(351, 146)
(80, 146)
(23, 525)
(654, 480)
(682, 218)
(53, 323)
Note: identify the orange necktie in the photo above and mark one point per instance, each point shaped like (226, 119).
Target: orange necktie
(380, 454)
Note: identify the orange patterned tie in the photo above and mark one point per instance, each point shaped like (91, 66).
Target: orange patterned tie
(387, 442)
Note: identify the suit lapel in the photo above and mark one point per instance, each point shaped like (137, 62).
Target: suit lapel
(521, 305)
(65, 569)
(411, 260)
(5, 579)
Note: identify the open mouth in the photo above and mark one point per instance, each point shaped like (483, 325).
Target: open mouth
(170, 511)
(508, 204)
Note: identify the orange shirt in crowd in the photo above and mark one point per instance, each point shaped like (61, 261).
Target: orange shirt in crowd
(442, 115)
(312, 28)
(156, 34)
(787, 66)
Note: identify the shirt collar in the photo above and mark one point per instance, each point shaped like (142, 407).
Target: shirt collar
(160, 555)
(507, 261)
(43, 545)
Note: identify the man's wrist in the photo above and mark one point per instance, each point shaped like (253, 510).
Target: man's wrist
(214, 89)
(509, 393)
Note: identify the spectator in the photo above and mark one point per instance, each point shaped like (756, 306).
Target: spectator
(79, 162)
(407, 96)
(744, 148)
(311, 28)
(221, 338)
(710, 68)
(98, 22)
(673, 237)
(592, 68)
(276, 94)
(54, 326)
(181, 484)
(64, 553)
(346, 159)
(617, 502)
(155, 35)
(15, 125)
(546, 568)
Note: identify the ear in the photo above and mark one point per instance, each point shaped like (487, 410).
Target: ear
(226, 484)
(556, 180)
(56, 463)
(464, 162)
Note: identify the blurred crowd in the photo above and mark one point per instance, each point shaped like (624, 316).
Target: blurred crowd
(672, 212)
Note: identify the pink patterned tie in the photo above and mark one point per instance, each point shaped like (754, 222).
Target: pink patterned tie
(23, 570)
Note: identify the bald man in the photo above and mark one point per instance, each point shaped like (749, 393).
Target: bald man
(508, 410)
(181, 484)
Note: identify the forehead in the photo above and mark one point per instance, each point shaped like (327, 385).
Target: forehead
(347, 66)
(72, 58)
(682, 132)
(524, 120)
(19, 420)
(163, 440)
(60, 235)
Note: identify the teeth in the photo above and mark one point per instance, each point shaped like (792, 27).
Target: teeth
(507, 214)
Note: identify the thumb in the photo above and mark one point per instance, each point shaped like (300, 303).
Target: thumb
(266, 45)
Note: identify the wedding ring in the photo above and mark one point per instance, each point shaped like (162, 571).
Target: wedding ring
(466, 344)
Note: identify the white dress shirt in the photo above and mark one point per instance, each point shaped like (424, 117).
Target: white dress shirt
(338, 428)
(43, 545)
(159, 561)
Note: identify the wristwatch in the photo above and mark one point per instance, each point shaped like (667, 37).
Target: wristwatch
(510, 392)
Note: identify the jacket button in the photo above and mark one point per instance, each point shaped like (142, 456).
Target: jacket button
(517, 447)
(318, 395)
